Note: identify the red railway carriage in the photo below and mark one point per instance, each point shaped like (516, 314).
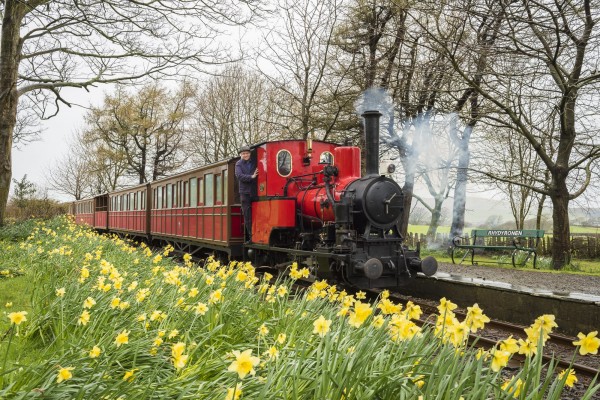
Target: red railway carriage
(128, 210)
(199, 208)
(83, 210)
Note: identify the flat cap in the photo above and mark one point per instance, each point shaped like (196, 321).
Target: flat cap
(244, 148)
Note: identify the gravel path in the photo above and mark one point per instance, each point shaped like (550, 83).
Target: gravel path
(534, 279)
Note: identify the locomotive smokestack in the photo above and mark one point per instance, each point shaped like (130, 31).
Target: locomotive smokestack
(372, 141)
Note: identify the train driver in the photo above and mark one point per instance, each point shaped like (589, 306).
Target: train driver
(246, 173)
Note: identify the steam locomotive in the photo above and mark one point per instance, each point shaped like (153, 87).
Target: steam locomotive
(312, 206)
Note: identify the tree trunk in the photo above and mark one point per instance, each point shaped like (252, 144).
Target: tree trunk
(460, 190)
(10, 47)
(561, 245)
(436, 214)
(538, 218)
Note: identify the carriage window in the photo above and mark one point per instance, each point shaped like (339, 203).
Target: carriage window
(326, 158)
(176, 188)
(200, 191)
(193, 192)
(186, 194)
(284, 163)
(142, 200)
(225, 185)
(132, 201)
(169, 196)
(209, 180)
(219, 188)
(159, 197)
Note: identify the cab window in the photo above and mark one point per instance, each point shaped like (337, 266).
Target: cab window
(326, 158)
(284, 162)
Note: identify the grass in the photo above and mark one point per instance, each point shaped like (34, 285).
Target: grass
(166, 330)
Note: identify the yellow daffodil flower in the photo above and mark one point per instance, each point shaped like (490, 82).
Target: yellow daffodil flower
(588, 343)
(95, 352)
(64, 374)
(17, 317)
(499, 359)
(244, 363)
(122, 338)
(234, 393)
(571, 378)
(321, 326)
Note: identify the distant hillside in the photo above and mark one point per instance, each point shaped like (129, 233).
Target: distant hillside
(482, 211)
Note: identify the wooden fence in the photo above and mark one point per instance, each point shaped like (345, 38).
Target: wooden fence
(585, 246)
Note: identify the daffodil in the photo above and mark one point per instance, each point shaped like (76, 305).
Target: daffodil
(527, 347)
(89, 302)
(273, 353)
(321, 326)
(129, 375)
(216, 296)
(244, 363)
(513, 387)
(281, 338)
(571, 378)
(446, 306)
(115, 302)
(60, 292)
(122, 338)
(588, 343)
(84, 318)
(17, 317)
(64, 374)
(201, 309)
(499, 359)
(234, 393)
(511, 345)
(378, 321)
(263, 330)
(95, 352)
(412, 311)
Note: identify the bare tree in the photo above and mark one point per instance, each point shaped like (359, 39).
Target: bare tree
(106, 169)
(299, 60)
(237, 108)
(144, 128)
(48, 45)
(546, 67)
(507, 151)
(71, 175)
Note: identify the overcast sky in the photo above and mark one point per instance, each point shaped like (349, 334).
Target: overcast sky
(36, 158)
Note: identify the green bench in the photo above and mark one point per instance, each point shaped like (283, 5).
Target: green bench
(526, 240)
